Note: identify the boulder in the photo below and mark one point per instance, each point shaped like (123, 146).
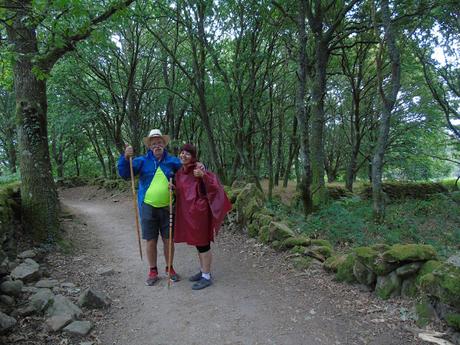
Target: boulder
(264, 234)
(345, 269)
(11, 287)
(320, 253)
(249, 201)
(80, 328)
(409, 287)
(63, 306)
(6, 323)
(280, 231)
(28, 254)
(28, 271)
(372, 258)
(93, 299)
(443, 283)
(295, 241)
(363, 274)
(321, 243)
(409, 269)
(454, 259)
(42, 300)
(56, 323)
(47, 283)
(7, 300)
(409, 252)
(388, 286)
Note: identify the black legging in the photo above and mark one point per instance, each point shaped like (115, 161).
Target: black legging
(203, 249)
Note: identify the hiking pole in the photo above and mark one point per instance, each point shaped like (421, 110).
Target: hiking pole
(170, 232)
(135, 206)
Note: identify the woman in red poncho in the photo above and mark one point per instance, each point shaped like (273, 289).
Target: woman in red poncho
(201, 206)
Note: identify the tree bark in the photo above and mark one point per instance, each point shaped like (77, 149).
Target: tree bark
(301, 113)
(39, 199)
(388, 103)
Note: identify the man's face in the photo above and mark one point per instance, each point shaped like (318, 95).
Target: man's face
(157, 145)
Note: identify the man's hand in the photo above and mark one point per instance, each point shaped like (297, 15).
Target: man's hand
(128, 152)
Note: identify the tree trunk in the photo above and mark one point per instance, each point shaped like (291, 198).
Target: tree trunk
(39, 199)
(388, 103)
(301, 113)
(279, 150)
(77, 163)
(318, 186)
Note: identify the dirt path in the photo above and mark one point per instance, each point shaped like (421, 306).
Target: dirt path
(257, 298)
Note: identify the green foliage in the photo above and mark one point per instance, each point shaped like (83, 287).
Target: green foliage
(433, 221)
(7, 179)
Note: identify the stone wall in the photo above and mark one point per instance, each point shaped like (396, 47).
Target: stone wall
(409, 270)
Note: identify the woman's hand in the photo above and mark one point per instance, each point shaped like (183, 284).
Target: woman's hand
(198, 173)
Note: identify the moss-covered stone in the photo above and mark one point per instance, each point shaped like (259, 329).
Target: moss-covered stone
(331, 264)
(261, 218)
(319, 252)
(264, 234)
(249, 201)
(296, 241)
(408, 269)
(443, 283)
(409, 288)
(321, 243)
(280, 231)
(428, 267)
(297, 250)
(345, 269)
(363, 274)
(388, 286)
(253, 230)
(425, 313)
(453, 320)
(372, 258)
(366, 255)
(448, 281)
(301, 262)
(232, 193)
(409, 252)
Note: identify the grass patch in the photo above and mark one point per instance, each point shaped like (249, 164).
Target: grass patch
(349, 222)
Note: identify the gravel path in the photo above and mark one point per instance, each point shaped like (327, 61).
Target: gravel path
(257, 297)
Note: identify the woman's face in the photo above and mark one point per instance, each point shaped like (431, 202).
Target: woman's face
(185, 157)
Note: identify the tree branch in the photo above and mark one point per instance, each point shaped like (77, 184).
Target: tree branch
(47, 61)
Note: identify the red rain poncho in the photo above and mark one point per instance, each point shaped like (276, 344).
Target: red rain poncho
(201, 206)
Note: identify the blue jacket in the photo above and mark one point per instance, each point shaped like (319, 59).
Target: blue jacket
(146, 167)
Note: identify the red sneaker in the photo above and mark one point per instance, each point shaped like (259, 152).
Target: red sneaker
(152, 278)
(173, 275)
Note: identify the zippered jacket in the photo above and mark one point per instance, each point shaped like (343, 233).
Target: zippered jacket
(146, 166)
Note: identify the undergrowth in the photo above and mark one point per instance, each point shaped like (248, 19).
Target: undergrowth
(349, 222)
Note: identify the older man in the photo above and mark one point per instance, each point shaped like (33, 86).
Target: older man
(154, 170)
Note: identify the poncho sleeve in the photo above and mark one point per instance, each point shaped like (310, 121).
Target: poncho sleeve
(218, 201)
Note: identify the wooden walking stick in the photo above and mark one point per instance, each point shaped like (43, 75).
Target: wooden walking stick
(135, 206)
(170, 232)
